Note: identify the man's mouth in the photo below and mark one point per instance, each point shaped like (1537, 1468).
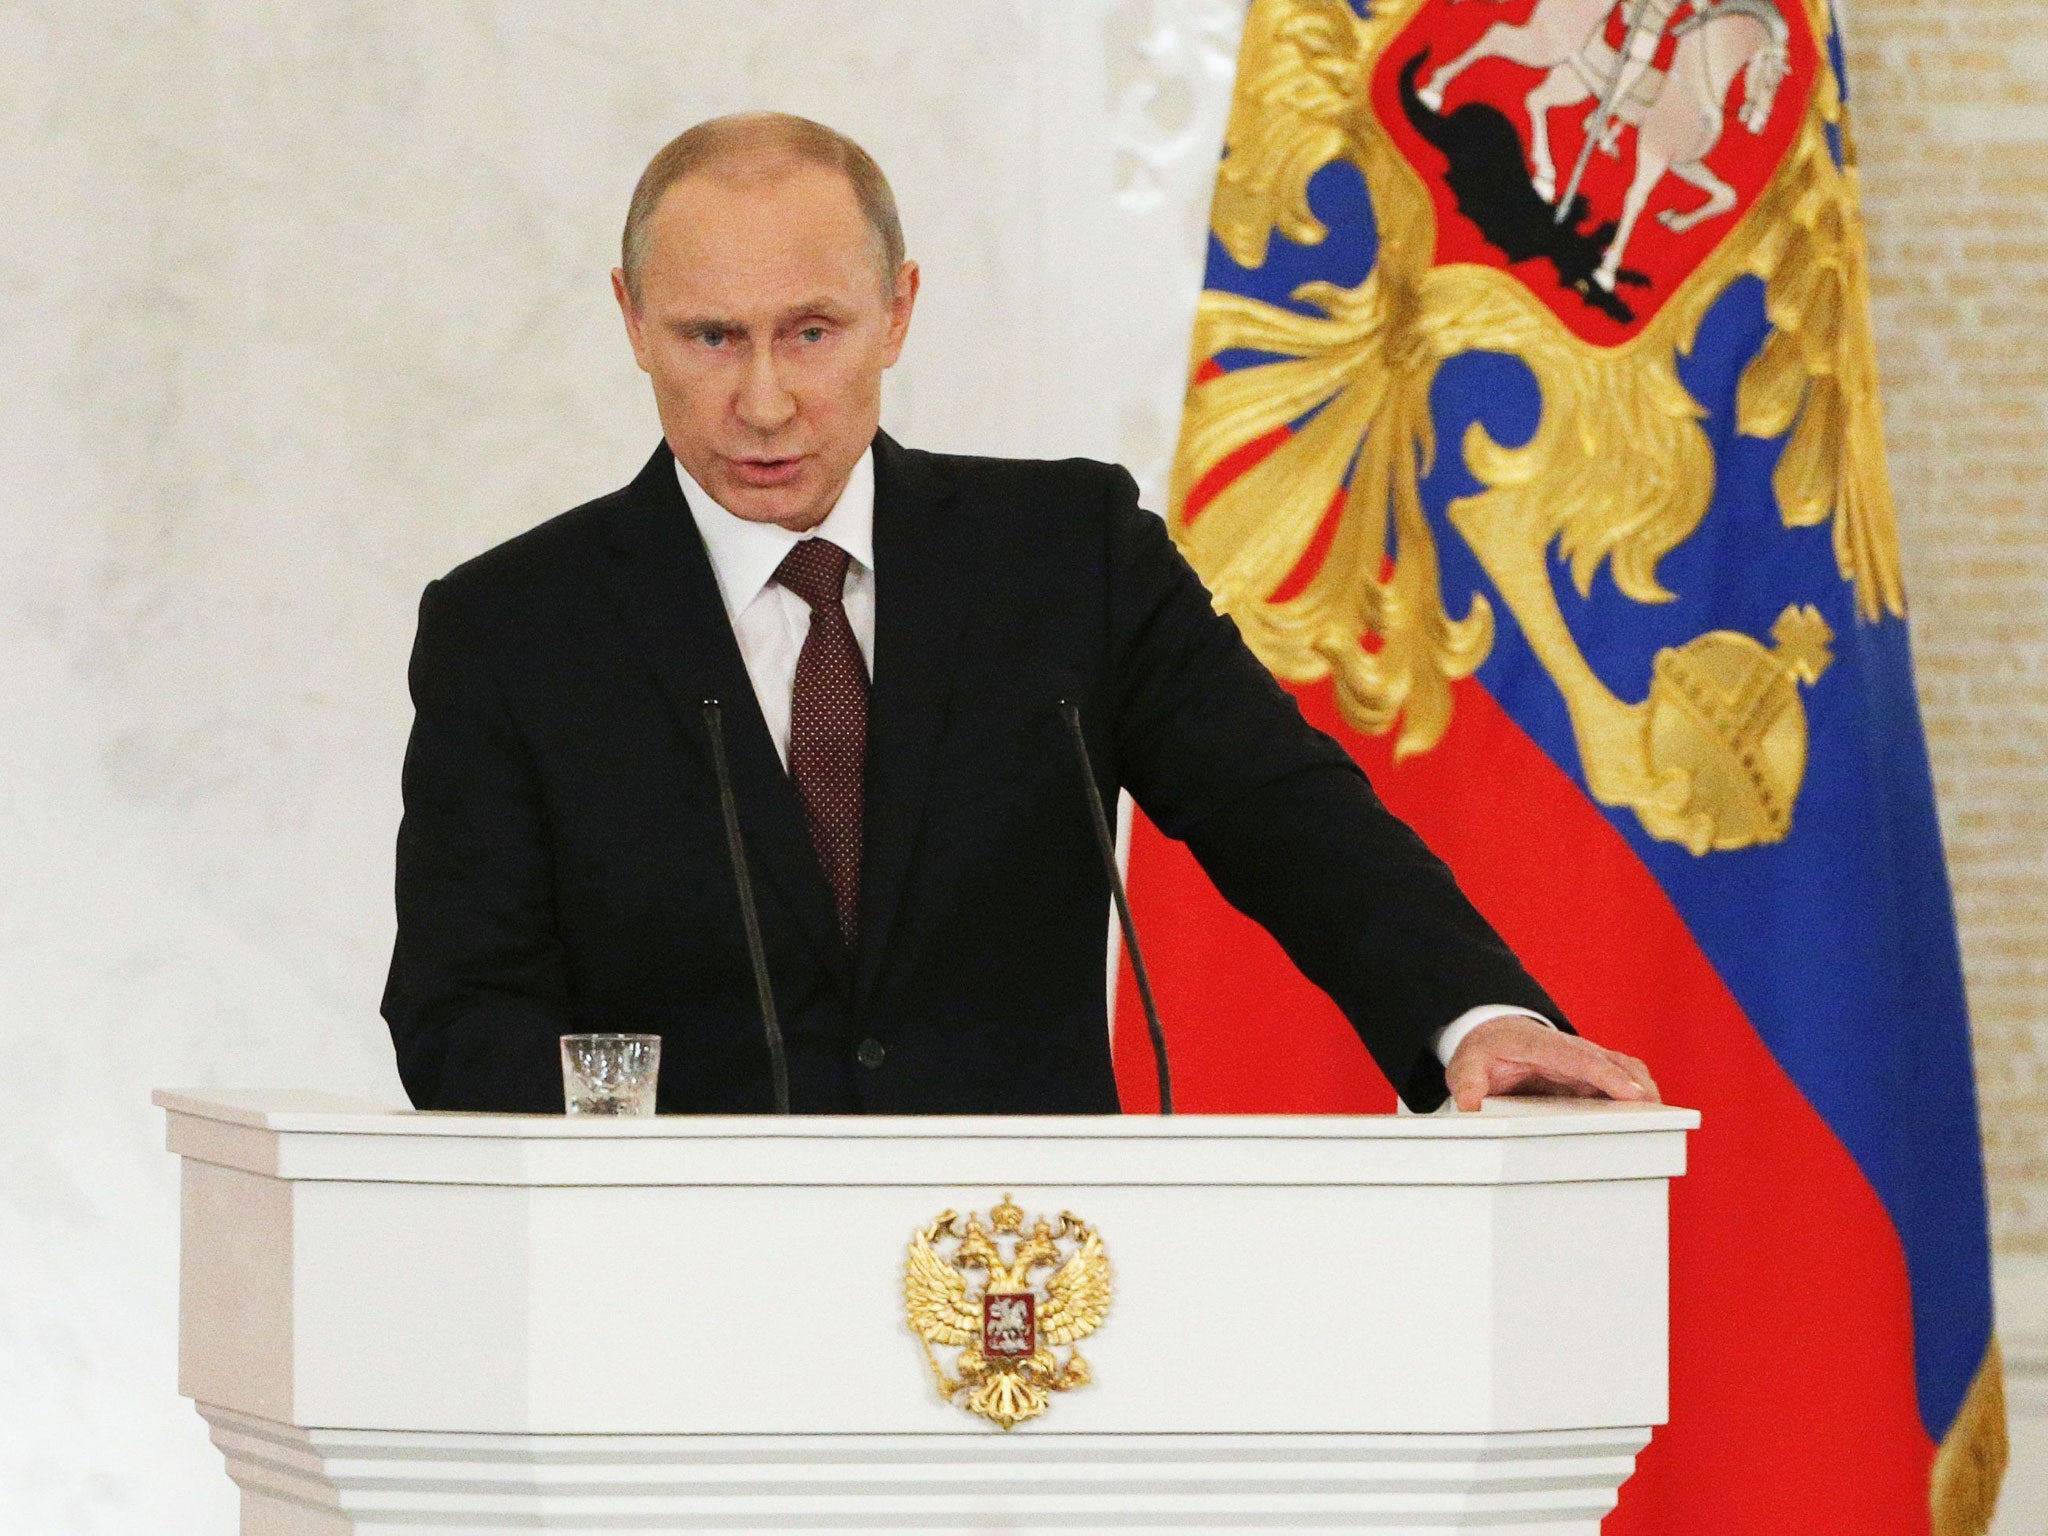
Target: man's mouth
(766, 472)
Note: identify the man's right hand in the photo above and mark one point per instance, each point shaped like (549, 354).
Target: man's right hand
(1519, 1055)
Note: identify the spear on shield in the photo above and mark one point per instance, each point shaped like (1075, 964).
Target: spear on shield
(1610, 101)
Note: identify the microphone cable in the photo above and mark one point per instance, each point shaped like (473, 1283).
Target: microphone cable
(1071, 713)
(757, 955)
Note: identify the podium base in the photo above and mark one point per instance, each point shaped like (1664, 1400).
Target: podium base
(326, 1482)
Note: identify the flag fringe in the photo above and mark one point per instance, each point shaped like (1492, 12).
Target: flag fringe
(1962, 1492)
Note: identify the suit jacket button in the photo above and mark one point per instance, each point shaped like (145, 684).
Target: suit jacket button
(871, 1054)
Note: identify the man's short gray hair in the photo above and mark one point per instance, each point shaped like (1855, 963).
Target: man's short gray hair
(754, 136)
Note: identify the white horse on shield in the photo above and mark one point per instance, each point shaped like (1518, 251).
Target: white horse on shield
(1554, 33)
(1678, 114)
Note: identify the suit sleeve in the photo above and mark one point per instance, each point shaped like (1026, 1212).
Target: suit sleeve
(478, 995)
(1285, 823)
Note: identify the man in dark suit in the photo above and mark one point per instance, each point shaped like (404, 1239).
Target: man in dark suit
(889, 635)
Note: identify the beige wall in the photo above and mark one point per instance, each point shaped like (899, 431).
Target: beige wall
(1951, 113)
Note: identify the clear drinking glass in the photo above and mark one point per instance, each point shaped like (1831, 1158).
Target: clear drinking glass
(610, 1074)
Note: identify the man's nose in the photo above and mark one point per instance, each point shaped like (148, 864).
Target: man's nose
(764, 404)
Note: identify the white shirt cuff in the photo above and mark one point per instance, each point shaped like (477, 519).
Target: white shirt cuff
(1452, 1035)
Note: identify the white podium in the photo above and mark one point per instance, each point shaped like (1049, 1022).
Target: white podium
(402, 1323)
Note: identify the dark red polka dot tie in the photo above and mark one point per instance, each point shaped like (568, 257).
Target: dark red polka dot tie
(828, 721)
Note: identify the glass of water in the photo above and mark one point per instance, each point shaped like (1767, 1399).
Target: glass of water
(610, 1074)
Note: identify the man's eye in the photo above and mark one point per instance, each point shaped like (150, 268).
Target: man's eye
(713, 338)
(812, 333)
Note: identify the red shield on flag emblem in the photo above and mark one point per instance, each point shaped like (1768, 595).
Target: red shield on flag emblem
(1692, 105)
(1009, 1326)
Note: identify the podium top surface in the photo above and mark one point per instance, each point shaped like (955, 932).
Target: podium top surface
(338, 1115)
(310, 1135)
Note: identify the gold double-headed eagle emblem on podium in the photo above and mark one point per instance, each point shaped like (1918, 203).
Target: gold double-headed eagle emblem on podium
(1014, 1332)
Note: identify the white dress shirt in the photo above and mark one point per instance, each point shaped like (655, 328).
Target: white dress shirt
(770, 623)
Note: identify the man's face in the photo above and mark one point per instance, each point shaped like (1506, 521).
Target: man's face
(764, 322)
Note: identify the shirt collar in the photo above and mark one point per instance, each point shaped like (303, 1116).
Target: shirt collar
(744, 555)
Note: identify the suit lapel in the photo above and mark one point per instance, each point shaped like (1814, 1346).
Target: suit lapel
(660, 579)
(923, 577)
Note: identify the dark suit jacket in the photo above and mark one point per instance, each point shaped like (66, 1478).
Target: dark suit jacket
(562, 863)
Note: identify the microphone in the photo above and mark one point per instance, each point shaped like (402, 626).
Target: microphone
(1071, 713)
(736, 851)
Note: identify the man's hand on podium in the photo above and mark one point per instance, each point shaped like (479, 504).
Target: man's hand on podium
(1517, 1054)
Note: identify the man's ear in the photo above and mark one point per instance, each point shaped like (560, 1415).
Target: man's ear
(631, 313)
(902, 299)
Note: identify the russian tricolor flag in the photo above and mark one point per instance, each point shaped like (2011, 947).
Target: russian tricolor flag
(1590, 562)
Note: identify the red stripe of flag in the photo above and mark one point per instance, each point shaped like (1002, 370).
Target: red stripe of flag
(1793, 1401)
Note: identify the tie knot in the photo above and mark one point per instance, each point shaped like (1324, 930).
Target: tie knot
(815, 570)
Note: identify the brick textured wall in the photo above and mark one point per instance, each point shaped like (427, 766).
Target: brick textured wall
(1950, 108)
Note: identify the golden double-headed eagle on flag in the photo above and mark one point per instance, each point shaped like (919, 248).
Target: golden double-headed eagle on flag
(1618, 169)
